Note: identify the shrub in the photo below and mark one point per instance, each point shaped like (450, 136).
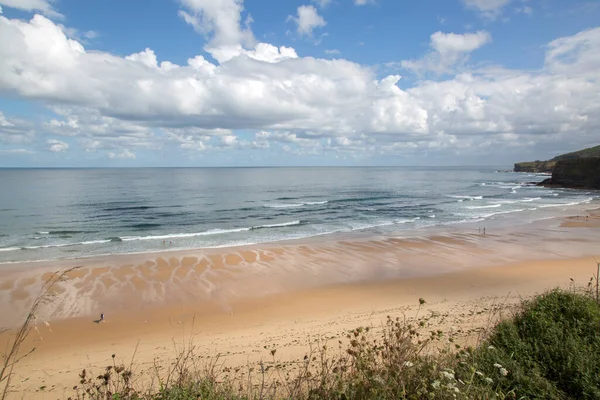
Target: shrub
(550, 350)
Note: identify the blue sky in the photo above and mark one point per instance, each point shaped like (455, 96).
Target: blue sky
(314, 82)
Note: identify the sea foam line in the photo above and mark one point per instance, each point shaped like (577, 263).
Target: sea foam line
(295, 205)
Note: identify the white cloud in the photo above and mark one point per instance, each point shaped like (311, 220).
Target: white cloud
(363, 2)
(524, 10)
(91, 34)
(490, 9)
(118, 105)
(219, 20)
(307, 20)
(16, 151)
(123, 154)
(43, 6)
(448, 50)
(332, 51)
(56, 146)
(15, 131)
(322, 3)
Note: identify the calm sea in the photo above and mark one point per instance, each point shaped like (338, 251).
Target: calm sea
(67, 213)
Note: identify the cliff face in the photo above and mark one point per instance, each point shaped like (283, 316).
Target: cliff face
(581, 173)
(534, 166)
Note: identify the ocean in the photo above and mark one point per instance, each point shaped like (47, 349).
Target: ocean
(50, 214)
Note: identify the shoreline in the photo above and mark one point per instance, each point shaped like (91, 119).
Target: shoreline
(210, 277)
(411, 231)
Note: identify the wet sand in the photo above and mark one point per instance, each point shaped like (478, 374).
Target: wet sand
(237, 301)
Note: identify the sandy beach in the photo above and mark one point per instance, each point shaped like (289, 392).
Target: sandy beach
(242, 303)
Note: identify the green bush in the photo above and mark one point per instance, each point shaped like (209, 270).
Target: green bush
(550, 350)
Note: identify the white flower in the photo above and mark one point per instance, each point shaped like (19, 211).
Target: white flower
(490, 347)
(489, 380)
(408, 364)
(447, 375)
(497, 365)
(479, 373)
(435, 384)
(503, 371)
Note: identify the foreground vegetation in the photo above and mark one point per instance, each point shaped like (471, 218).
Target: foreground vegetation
(549, 349)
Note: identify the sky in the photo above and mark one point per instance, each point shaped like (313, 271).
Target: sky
(296, 82)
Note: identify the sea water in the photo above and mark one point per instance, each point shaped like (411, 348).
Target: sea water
(48, 214)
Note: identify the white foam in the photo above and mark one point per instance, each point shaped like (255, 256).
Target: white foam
(184, 235)
(10, 248)
(574, 203)
(277, 225)
(488, 206)
(466, 197)
(295, 205)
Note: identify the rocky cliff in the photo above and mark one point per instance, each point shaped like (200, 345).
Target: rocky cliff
(581, 173)
(548, 166)
(535, 166)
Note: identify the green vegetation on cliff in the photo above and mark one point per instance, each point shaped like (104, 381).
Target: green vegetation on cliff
(547, 166)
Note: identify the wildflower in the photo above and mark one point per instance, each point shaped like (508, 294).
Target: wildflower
(447, 375)
(503, 371)
(489, 380)
(490, 347)
(479, 373)
(496, 365)
(408, 364)
(435, 384)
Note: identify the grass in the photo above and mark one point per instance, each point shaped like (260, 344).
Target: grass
(547, 350)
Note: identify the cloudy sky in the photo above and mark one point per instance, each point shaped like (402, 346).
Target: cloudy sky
(288, 82)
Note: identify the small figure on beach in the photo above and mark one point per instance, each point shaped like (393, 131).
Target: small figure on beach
(484, 230)
(101, 317)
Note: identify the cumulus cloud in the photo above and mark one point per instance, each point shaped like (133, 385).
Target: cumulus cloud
(43, 6)
(490, 9)
(307, 20)
(123, 154)
(219, 20)
(15, 131)
(118, 105)
(447, 50)
(56, 146)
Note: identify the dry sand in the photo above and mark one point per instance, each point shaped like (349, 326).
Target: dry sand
(277, 297)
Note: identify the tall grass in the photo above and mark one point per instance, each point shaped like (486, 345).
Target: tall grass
(13, 351)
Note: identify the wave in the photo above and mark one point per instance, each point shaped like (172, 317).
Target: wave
(502, 212)
(366, 209)
(574, 203)
(461, 198)
(488, 206)
(281, 225)
(133, 208)
(64, 232)
(10, 248)
(295, 205)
